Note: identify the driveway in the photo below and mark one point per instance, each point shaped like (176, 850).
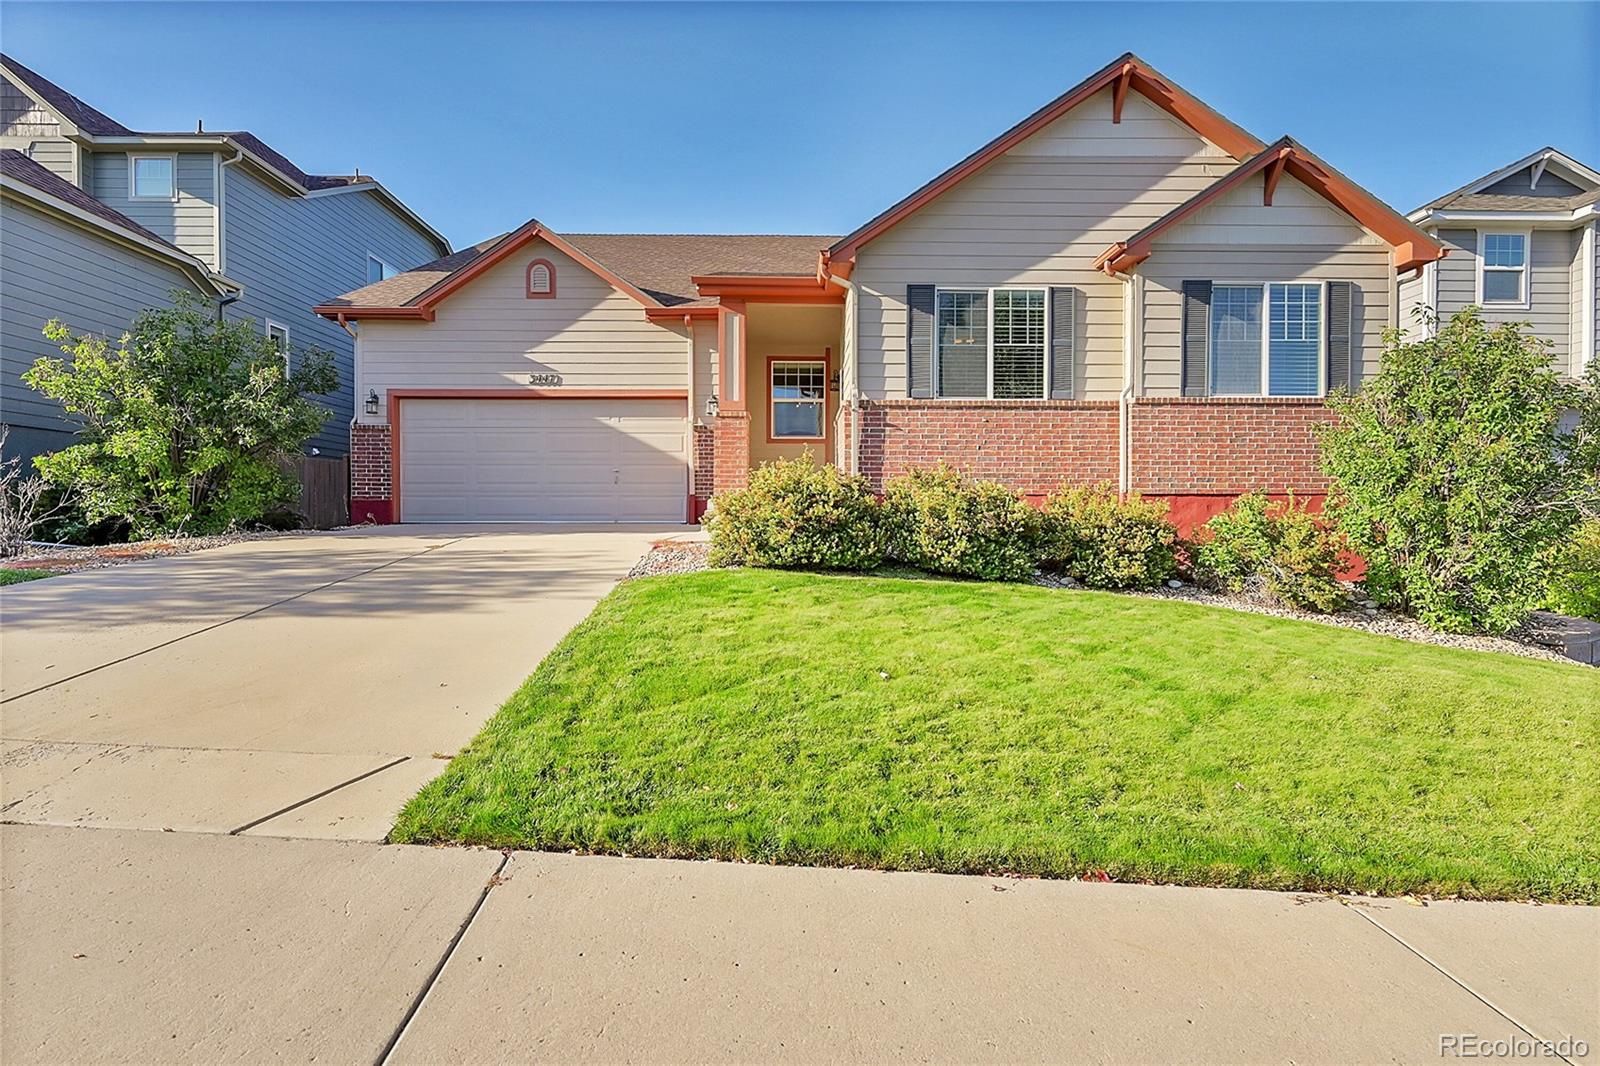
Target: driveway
(303, 686)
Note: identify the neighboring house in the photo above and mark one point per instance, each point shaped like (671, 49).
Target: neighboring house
(101, 221)
(1124, 288)
(1522, 247)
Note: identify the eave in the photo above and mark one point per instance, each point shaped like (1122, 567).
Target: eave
(768, 288)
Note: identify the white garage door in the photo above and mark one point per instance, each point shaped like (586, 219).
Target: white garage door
(543, 460)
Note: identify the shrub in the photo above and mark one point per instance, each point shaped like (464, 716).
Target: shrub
(185, 422)
(1107, 541)
(797, 514)
(1576, 586)
(1276, 552)
(1453, 477)
(940, 521)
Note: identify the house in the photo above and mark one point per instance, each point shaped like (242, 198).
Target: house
(101, 222)
(1125, 287)
(1522, 247)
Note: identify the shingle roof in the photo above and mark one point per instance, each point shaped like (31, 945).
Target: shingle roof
(16, 165)
(1483, 201)
(68, 106)
(661, 264)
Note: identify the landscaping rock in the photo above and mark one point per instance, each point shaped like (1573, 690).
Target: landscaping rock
(672, 557)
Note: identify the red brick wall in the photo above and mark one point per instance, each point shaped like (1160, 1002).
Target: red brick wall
(1212, 446)
(370, 482)
(703, 471)
(1033, 447)
(731, 451)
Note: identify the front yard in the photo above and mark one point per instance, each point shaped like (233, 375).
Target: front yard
(943, 725)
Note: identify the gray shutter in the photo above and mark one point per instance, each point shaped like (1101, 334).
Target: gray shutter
(1062, 325)
(1196, 338)
(1344, 368)
(919, 340)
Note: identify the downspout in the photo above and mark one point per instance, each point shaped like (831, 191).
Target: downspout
(850, 393)
(224, 301)
(693, 418)
(1125, 397)
(221, 248)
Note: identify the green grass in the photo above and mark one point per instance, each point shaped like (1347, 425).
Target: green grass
(942, 725)
(10, 576)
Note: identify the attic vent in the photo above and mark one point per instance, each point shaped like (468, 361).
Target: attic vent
(541, 280)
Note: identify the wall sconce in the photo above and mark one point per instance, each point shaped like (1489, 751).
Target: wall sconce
(711, 406)
(372, 402)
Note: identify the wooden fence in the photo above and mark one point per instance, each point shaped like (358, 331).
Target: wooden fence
(324, 490)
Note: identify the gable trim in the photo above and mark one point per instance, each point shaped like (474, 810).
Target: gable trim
(1138, 75)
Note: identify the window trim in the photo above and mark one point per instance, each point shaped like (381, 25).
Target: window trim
(385, 271)
(268, 327)
(1266, 339)
(133, 193)
(1526, 269)
(989, 291)
(527, 279)
(773, 401)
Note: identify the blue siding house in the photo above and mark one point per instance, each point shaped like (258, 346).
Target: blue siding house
(98, 221)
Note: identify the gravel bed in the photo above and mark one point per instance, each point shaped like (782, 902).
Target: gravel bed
(672, 557)
(71, 557)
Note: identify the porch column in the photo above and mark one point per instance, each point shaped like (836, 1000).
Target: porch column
(731, 464)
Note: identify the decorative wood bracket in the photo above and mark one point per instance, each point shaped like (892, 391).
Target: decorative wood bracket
(1119, 92)
(1273, 172)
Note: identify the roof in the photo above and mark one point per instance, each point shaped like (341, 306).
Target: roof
(16, 165)
(1125, 72)
(1412, 247)
(98, 124)
(1469, 197)
(661, 265)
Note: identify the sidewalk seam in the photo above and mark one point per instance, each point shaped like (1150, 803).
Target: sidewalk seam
(1459, 983)
(225, 621)
(449, 951)
(317, 795)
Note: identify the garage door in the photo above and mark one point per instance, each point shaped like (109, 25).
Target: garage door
(543, 461)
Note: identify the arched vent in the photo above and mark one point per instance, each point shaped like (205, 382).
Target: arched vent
(541, 279)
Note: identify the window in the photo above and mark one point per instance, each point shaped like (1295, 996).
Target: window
(377, 269)
(541, 279)
(799, 393)
(150, 177)
(279, 336)
(1287, 356)
(990, 344)
(1503, 268)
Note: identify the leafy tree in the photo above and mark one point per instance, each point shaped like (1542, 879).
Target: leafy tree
(186, 421)
(1454, 477)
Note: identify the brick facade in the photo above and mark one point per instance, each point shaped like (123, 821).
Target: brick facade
(1225, 447)
(371, 480)
(703, 471)
(731, 451)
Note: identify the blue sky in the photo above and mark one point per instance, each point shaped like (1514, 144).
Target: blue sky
(800, 118)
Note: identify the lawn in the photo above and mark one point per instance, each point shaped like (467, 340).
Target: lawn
(11, 576)
(943, 725)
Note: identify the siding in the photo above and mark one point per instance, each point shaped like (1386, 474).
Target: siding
(1413, 295)
(1550, 185)
(54, 269)
(292, 253)
(1169, 266)
(706, 366)
(188, 222)
(490, 335)
(1549, 278)
(27, 127)
(1038, 216)
(1580, 301)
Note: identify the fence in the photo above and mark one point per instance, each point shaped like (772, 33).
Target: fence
(324, 490)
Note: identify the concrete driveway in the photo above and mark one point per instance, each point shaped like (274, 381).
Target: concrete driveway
(303, 686)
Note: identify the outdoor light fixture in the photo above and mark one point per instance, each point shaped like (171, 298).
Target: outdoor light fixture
(372, 401)
(711, 406)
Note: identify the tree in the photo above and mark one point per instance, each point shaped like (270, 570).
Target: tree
(1453, 474)
(186, 422)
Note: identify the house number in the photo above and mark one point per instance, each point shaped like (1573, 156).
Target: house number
(544, 379)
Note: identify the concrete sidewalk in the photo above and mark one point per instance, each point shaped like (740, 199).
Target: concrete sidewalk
(127, 946)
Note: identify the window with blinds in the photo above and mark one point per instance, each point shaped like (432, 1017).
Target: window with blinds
(990, 343)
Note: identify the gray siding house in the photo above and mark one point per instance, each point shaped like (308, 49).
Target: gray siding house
(98, 221)
(1522, 246)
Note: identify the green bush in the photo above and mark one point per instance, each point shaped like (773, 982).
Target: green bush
(1576, 587)
(940, 521)
(795, 514)
(1107, 541)
(1276, 552)
(1454, 478)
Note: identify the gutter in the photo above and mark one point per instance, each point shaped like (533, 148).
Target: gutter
(849, 392)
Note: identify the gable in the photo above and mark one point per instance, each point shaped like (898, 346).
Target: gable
(1298, 216)
(1087, 131)
(21, 116)
(1551, 185)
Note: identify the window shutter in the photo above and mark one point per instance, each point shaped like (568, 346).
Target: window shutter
(1196, 337)
(1062, 326)
(919, 340)
(1344, 368)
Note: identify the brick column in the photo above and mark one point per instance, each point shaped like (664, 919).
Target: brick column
(703, 468)
(371, 484)
(731, 451)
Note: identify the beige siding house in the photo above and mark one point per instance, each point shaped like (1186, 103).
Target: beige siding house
(1522, 248)
(1126, 287)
